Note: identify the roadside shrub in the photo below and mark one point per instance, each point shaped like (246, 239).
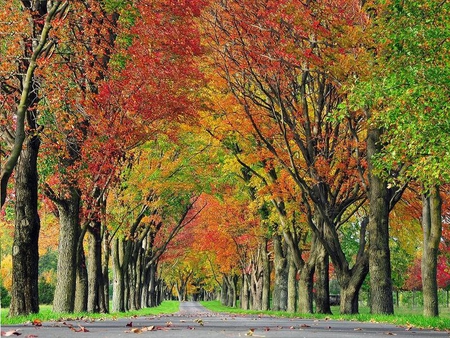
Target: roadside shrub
(5, 298)
(46, 292)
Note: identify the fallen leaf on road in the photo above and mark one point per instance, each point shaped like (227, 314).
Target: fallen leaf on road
(37, 322)
(390, 333)
(250, 332)
(130, 324)
(30, 336)
(357, 329)
(149, 328)
(10, 333)
(305, 325)
(81, 329)
(199, 320)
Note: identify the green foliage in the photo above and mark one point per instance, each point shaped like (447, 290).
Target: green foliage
(48, 261)
(46, 291)
(47, 280)
(408, 89)
(5, 297)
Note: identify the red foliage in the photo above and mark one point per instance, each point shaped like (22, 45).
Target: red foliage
(414, 280)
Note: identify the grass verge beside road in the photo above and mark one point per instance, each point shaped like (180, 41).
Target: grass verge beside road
(46, 314)
(400, 319)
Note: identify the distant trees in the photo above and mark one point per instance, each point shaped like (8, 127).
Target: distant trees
(278, 143)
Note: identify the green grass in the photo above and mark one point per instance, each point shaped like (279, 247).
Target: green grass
(45, 314)
(403, 317)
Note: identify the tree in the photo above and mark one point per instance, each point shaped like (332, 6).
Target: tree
(20, 92)
(280, 62)
(408, 100)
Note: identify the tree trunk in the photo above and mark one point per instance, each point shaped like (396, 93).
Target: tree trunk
(25, 254)
(105, 269)
(305, 286)
(432, 231)
(81, 290)
(382, 301)
(292, 285)
(232, 291)
(118, 304)
(350, 284)
(256, 285)
(224, 291)
(245, 292)
(95, 302)
(153, 301)
(280, 290)
(69, 232)
(265, 297)
(322, 284)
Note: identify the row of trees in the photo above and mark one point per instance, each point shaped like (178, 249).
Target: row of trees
(310, 120)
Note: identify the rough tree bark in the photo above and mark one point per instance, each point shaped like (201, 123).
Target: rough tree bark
(432, 232)
(118, 303)
(322, 283)
(69, 232)
(265, 297)
(281, 269)
(382, 300)
(292, 285)
(81, 290)
(95, 301)
(25, 254)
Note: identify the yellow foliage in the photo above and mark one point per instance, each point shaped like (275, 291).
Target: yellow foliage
(6, 271)
(49, 277)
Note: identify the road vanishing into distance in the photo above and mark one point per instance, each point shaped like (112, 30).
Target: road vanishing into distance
(195, 321)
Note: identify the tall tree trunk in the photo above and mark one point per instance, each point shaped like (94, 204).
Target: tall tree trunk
(265, 297)
(351, 285)
(432, 232)
(322, 283)
(118, 304)
(256, 285)
(382, 301)
(245, 291)
(81, 290)
(69, 232)
(281, 269)
(25, 254)
(105, 268)
(232, 291)
(153, 286)
(224, 291)
(292, 285)
(95, 301)
(305, 285)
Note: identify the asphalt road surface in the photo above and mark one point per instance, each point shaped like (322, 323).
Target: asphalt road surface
(193, 320)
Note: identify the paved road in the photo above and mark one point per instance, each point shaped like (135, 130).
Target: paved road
(193, 320)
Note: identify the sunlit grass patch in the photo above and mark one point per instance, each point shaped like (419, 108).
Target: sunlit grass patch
(46, 314)
(403, 317)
